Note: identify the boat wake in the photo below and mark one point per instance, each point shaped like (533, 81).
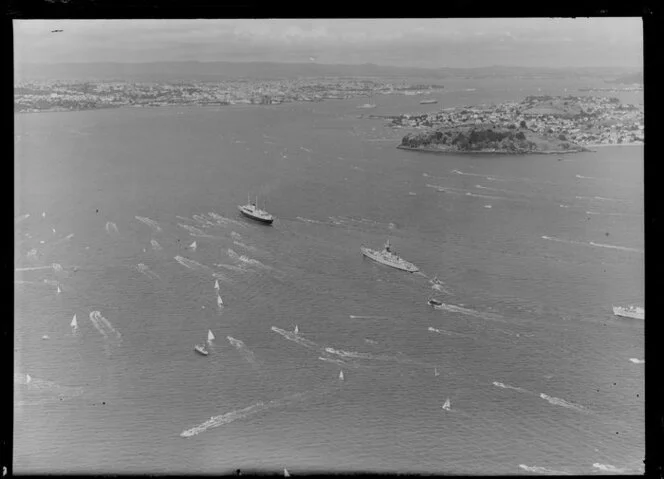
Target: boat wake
(352, 316)
(111, 228)
(142, 268)
(244, 351)
(448, 333)
(543, 470)
(249, 411)
(247, 247)
(291, 336)
(222, 220)
(588, 177)
(231, 267)
(469, 312)
(103, 325)
(20, 218)
(155, 245)
(196, 232)
(151, 223)
(191, 264)
(507, 386)
(622, 248)
(637, 361)
(608, 468)
(561, 402)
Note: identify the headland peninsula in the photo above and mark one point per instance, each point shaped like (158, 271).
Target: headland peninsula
(538, 124)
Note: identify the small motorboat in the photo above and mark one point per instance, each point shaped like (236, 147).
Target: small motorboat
(434, 302)
(201, 349)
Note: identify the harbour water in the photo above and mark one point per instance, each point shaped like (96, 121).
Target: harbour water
(532, 251)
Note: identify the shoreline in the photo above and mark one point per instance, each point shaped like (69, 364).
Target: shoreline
(501, 152)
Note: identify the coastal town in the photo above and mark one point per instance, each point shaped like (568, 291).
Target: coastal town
(581, 120)
(59, 95)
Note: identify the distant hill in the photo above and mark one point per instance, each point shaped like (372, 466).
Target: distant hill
(628, 79)
(217, 71)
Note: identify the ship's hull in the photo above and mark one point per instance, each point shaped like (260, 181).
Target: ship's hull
(628, 314)
(267, 221)
(411, 268)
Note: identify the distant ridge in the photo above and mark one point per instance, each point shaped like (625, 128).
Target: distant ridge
(217, 71)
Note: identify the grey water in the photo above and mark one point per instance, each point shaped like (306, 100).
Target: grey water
(529, 276)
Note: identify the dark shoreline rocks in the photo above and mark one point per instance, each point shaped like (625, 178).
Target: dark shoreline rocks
(484, 139)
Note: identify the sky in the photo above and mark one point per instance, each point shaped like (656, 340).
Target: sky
(427, 43)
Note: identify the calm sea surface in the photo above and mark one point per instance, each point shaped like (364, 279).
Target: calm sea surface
(533, 252)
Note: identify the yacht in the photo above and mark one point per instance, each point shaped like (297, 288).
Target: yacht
(251, 210)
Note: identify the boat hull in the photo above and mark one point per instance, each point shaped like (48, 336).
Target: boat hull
(628, 314)
(267, 221)
(201, 351)
(410, 268)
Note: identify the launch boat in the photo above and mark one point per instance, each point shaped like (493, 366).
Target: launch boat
(633, 312)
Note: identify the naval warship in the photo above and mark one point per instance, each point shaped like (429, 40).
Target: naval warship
(389, 258)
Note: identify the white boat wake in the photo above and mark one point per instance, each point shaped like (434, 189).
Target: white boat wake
(637, 361)
(244, 351)
(103, 325)
(622, 248)
(247, 247)
(608, 468)
(111, 228)
(191, 264)
(249, 411)
(469, 312)
(142, 268)
(561, 402)
(151, 223)
(543, 470)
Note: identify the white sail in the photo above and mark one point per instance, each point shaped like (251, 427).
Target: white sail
(216, 284)
(74, 323)
(220, 302)
(286, 474)
(296, 330)
(210, 336)
(27, 378)
(447, 404)
(59, 290)
(341, 375)
(43, 214)
(435, 371)
(193, 246)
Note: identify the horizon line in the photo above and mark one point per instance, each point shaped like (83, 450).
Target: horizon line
(330, 64)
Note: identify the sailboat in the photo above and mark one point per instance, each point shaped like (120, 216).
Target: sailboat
(74, 323)
(341, 375)
(193, 246)
(27, 378)
(59, 290)
(286, 474)
(220, 302)
(210, 336)
(216, 284)
(447, 404)
(296, 330)
(435, 372)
